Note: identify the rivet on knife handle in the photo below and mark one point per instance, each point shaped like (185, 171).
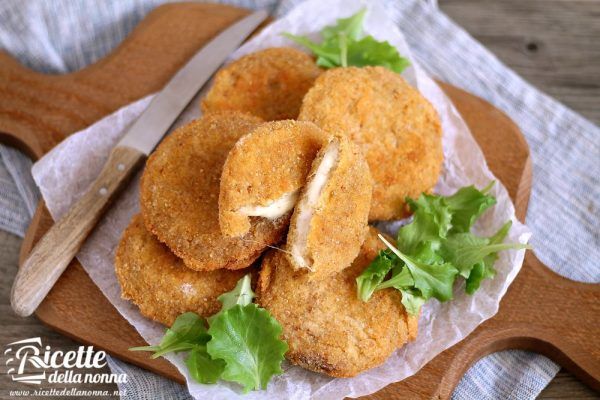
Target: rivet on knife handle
(60, 244)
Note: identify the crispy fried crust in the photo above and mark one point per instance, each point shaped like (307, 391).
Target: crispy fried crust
(327, 327)
(338, 224)
(180, 191)
(397, 128)
(159, 283)
(269, 83)
(263, 166)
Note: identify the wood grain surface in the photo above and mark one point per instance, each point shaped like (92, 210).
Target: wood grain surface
(514, 166)
(52, 254)
(553, 44)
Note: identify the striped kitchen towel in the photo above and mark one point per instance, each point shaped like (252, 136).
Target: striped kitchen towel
(61, 36)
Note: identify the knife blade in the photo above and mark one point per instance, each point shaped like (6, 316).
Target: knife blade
(55, 250)
(149, 128)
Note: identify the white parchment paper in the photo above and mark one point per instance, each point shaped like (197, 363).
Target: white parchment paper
(65, 173)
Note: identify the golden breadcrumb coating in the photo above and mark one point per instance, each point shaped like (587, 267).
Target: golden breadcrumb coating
(327, 327)
(396, 127)
(180, 192)
(272, 161)
(269, 84)
(329, 222)
(159, 283)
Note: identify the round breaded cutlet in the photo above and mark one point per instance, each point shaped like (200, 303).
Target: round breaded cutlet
(269, 84)
(329, 222)
(159, 283)
(180, 192)
(396, 127)
(264, 172)
(327, 327)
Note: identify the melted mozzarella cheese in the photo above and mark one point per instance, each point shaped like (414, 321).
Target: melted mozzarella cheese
(274, 209)
(310, 200)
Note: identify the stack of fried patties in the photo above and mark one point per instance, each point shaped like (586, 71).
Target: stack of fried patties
(280, 178)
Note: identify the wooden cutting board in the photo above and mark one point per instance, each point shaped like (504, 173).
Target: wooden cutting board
(542, 311)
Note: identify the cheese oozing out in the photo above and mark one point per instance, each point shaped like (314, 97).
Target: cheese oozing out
(309, 201)
(273, 209)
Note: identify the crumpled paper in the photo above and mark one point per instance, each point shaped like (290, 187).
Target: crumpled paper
(66, 172)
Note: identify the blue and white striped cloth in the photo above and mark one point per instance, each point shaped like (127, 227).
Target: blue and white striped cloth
(61, 36)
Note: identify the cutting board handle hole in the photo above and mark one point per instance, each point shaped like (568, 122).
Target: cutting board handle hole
(11, 140)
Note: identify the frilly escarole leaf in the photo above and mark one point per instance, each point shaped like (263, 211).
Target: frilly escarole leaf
(435, 248)
(239, 344)
(344, 45)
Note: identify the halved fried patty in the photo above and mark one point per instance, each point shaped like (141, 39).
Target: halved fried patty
(180, 192)
(287, 164)
(327, 327)
(159, 283)
(269, 83)
(330, 219)
(265, 171)
(395, 126)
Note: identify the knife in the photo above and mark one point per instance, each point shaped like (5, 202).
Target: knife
(55, 250)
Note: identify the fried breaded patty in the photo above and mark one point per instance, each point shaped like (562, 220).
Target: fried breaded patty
(264, 172)
(327, 327)
(159, 283)
(396, 127)
(329, 222)
(180, 192)
(280, 162)
(269, 83)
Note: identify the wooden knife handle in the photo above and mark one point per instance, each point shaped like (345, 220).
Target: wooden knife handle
(60, 244)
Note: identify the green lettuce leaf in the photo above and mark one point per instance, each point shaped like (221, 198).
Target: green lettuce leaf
(485, 269)
(435, 208)
(187, 331)
(476, 275)
(401, 278)
(241, 294)
(412, 300)
(369, 280)
(467, 205)
(247, 339)
(428, 252)
(203, 368)
(432, 280)
(422, 229)
(435, 248)
(461, 249)
(241, 344)
(464, 250)
(368, 51)
(343, 46)
(350, 27)
(328, 54)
